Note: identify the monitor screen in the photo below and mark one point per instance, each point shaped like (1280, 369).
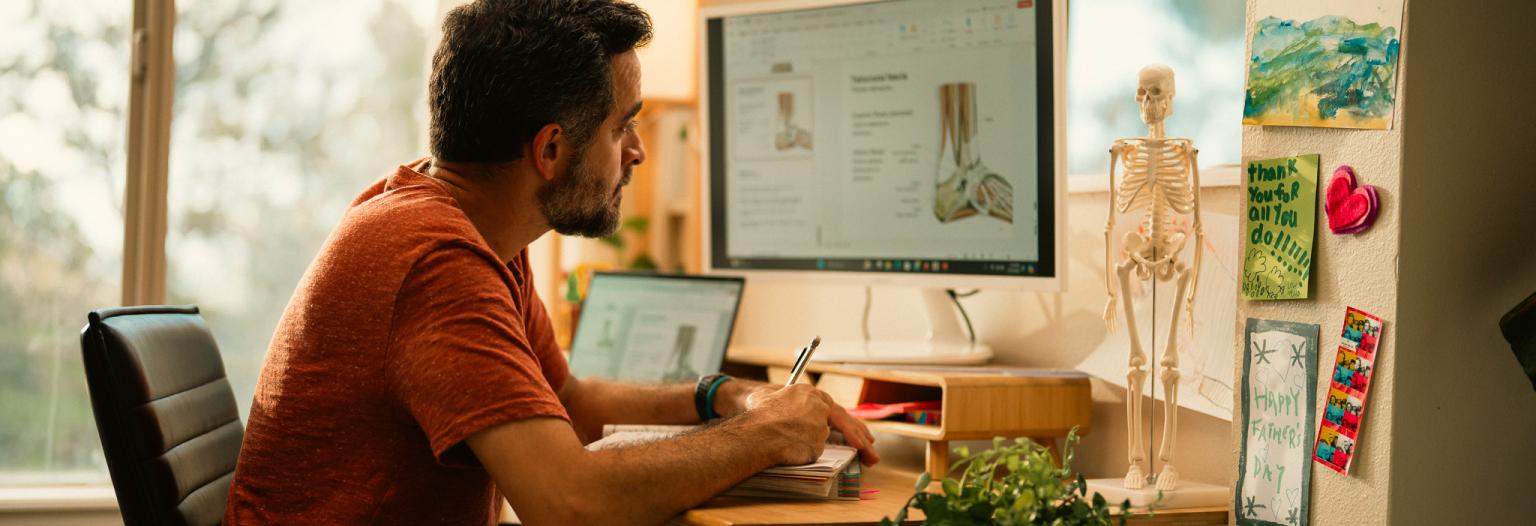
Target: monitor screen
(654, 328)
(911, 136)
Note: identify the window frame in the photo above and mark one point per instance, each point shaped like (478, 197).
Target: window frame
(151, 93)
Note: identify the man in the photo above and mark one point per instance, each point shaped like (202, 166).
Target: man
(414, 372)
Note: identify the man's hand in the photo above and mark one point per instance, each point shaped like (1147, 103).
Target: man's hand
(798, 416)
(854, 431)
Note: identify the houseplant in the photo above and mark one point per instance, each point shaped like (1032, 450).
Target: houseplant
(1014, 483)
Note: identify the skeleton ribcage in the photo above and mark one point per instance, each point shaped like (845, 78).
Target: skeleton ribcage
(1156, 178)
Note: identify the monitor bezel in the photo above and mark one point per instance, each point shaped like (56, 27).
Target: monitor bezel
(1056, 261)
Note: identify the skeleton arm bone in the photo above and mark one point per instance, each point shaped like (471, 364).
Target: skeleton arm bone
(1109, 243)
(1194, 279)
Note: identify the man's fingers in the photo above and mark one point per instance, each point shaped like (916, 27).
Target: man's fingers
(868, 456)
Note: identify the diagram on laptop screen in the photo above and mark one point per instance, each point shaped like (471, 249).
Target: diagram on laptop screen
(642, 330)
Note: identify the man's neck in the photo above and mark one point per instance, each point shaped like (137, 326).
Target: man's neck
(499, 201)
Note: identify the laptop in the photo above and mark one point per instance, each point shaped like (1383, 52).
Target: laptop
(654, 328)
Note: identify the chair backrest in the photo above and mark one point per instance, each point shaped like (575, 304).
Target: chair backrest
(1519, 327)
(166, 414)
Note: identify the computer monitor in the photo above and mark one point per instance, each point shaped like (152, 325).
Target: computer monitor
(910, 142)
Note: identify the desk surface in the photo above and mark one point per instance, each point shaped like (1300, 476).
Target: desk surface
(895, 487)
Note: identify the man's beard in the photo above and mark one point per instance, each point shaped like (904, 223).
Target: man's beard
(578, 204)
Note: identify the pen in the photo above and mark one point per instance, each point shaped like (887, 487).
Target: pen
(802, 361)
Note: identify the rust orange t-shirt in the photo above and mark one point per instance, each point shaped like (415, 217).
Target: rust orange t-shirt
(406, 335)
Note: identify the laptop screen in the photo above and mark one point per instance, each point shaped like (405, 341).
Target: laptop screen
(653, 328)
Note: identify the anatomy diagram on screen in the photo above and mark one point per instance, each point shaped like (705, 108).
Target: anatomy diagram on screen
(682, 355)
(606, 343)
(790, 135)
(1162, 179)
(964, 186)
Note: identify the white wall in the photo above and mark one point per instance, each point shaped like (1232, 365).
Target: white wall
(1465, 413)
(1032, 329)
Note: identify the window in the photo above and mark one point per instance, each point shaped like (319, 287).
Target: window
(285, 110)
(63, 110)
(1109, 41)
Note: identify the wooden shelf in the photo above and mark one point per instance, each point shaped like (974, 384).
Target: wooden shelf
(922, 431)
(977, 404)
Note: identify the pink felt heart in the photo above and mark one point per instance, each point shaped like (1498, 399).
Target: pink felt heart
(1369, 219)
(1342, 185)
(1351, 209)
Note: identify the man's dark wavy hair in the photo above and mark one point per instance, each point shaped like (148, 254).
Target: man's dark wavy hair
(507, 68)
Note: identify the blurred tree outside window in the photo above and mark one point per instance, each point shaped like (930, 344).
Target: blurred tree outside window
(284, 111)
(1109, 41)
(63, 113)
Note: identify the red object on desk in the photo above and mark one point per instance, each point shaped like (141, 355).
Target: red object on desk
(879, 411)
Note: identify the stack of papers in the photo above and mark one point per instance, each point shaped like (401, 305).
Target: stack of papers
(834, 475)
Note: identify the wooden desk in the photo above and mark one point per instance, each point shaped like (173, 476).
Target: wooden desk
(895, 488)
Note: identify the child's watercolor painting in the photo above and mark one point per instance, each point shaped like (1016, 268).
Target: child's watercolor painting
(1324, 64)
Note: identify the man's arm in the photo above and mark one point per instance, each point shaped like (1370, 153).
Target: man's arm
(541, 467)
(593, 403)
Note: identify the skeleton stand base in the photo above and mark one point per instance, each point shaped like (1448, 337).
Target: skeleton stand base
(1189, 494)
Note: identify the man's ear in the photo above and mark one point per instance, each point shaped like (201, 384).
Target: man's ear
(548, 150)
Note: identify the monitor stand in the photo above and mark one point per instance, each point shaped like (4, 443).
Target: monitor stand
(947, 342)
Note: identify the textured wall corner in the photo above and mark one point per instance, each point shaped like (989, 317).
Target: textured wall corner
(1347, 271)
(1465, 412)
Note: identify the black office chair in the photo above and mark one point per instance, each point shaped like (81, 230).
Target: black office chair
(1519, 327)
(167, 417)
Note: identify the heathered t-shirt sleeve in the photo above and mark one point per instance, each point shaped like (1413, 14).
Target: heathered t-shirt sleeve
(541, 333)
(459, 359)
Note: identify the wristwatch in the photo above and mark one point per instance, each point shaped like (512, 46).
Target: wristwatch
(704, 395)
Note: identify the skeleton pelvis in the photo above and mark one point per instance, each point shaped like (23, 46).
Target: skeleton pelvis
(1154, 259)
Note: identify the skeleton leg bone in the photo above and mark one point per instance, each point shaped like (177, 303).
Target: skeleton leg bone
(1169, 477)
(1135, 478)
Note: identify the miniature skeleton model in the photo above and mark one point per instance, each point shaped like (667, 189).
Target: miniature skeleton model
(963, 185)
(1162, 178)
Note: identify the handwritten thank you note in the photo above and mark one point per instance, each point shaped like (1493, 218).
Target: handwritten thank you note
(1279, 386)
(1282, 207)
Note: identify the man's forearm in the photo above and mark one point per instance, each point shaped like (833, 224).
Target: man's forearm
(596, 403)
(654, 482)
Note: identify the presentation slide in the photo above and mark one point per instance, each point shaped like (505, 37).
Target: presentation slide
(896, 129)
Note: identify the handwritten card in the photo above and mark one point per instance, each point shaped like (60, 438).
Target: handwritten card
(1349, 382)
(1279, 368)
(1282, 207)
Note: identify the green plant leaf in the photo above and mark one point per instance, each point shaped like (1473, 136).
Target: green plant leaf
(952, 488)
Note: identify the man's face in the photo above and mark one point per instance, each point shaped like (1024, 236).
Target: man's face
(584, 201)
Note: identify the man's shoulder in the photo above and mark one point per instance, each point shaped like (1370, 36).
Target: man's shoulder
(403, 218)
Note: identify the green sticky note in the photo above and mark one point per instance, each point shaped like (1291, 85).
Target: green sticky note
(1277, 239)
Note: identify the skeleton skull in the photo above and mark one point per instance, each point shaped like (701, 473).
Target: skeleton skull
(1154, 93)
